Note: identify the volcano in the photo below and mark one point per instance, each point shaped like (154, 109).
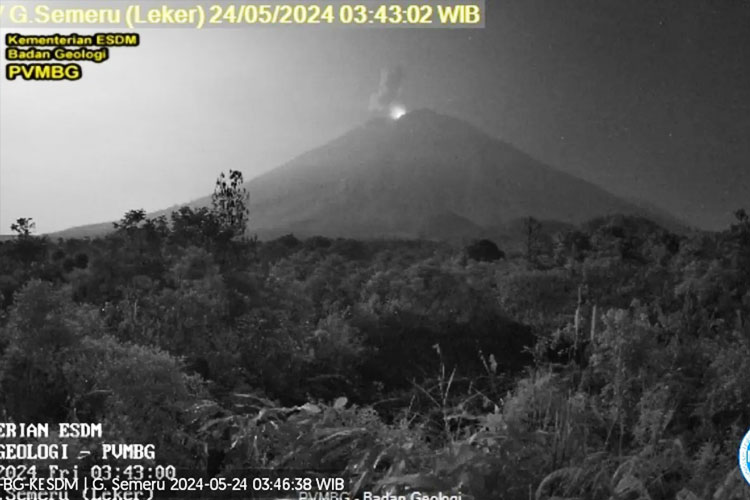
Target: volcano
(425, 175)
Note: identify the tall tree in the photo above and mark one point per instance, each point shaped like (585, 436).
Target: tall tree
(230, 202)
(23, 226)
(131, 219)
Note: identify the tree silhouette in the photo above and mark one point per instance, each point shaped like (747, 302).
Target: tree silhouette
(484, 250)
(23, 226)
(229, 202)
(131, 219)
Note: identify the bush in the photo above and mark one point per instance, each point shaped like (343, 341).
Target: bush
(484, 251)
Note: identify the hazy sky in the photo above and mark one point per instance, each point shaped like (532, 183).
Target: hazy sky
(648, 99)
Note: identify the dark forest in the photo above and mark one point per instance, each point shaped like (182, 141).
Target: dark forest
(599, 361)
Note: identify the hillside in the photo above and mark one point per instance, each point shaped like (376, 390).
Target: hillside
(425, 175)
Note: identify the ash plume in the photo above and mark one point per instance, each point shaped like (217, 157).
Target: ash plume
(391, 80)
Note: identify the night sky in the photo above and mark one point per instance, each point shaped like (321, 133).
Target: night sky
(650, 99)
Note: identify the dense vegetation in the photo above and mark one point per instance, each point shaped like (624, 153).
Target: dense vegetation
(606, 361)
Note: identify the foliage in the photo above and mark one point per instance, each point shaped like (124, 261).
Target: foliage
(230, 202)
(23, 227)
(601, 364)
(484, 250)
